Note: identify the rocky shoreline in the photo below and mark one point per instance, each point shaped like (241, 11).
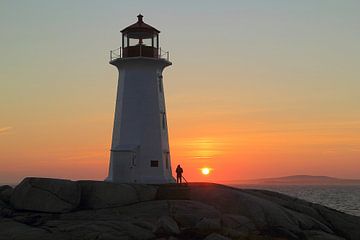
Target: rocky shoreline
(43, 208)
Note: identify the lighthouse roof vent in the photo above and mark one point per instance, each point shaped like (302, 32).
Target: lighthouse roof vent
(140, 30)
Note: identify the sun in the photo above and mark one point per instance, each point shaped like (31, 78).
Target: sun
(205, 171)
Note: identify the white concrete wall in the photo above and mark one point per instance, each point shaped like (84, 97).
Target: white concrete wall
(139, 135)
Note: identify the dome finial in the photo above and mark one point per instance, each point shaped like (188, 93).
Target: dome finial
(140, 18)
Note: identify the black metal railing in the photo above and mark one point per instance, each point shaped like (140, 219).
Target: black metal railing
(139, 51)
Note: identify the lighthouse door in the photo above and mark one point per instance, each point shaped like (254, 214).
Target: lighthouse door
(124, 164)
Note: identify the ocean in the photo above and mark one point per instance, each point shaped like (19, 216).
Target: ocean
(345, 198)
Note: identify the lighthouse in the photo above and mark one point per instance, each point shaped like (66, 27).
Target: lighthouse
(140, 145)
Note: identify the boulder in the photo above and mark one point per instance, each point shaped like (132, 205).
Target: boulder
(98, 229)
(306, 222)
(215, 236)
(189, 213)
(136, 232)
(166, 226)
(173, 192)
(5, 193)
(311, 216)
(277, 214)
(235, 234)
(150, 210)
(289, 202)
(144, 224)
(32, 219)
(134, 211)
(145, 192)
(315, 217)
(172, 238)
(208, 225)
(265, 214)
(239, 223)
(345, 225)
(5, 211)
(235, 221)
(5, 187)
(10, 229)
(98, 194)
(318, 235)
(2, 204)
(46, 195)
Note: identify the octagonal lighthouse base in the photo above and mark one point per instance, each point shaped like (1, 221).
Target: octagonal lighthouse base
(140, 146)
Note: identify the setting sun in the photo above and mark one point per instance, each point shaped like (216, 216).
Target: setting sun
(205, 171)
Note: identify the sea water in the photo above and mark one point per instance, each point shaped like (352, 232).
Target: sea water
(345, 198)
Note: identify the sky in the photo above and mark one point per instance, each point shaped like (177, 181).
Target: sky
(257, 88)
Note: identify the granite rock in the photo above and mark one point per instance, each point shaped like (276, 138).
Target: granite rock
(62, 209)
(215, 236)
(167, 226)
(5, 193)
(46, 195)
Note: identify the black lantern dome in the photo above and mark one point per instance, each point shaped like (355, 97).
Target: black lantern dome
(140, 40)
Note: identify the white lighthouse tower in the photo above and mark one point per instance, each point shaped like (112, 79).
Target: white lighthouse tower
(140, 146)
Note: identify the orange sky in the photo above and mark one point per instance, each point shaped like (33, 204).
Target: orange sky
(256, 89)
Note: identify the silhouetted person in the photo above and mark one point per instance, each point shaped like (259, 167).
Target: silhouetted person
(179, 172)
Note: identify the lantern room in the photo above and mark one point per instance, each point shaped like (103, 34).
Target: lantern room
(140, 40)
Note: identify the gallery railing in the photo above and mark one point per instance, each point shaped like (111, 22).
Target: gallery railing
(139, 51)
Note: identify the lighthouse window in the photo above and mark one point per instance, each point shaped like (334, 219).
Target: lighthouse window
(155, 41)
(167, 160)
(132, 41)
(160, 84)
(147, 42)
(133, 160)
(163, 121)
(125, 41)
(154, 163)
